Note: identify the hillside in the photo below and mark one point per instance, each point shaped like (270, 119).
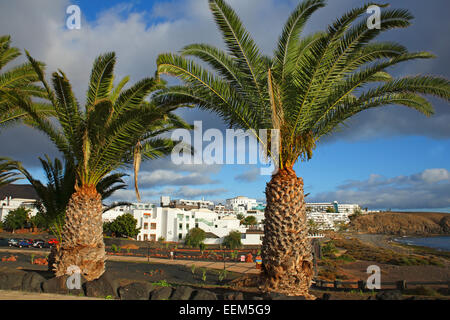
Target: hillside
(403, 223)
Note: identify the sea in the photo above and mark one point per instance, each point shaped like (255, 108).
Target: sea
(440, 243)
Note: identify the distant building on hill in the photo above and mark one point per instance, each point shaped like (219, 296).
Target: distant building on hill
(327, 215)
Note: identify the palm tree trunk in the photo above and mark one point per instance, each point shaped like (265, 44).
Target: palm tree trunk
(82, 237)
(286, 249)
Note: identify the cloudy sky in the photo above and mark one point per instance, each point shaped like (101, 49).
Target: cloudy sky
(386, 158)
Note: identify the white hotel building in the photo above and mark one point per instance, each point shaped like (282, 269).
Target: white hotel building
(173, 224)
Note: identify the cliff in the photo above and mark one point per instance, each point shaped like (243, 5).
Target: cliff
(403, 223)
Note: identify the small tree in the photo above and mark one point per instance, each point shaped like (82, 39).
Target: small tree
(356, 213)
(124, 225)
(232, 240)
(195, 236)
(240, 216)
(313, 226)
(250, 221)
(16, 219)
(328, 249)
(330, 210)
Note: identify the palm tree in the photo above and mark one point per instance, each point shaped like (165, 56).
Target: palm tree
(19, 80)
(116, 128)
(55, 194)
(308, 89)
(7, 176)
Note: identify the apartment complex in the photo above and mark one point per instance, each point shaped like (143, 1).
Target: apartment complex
(241, 203)
(327, 219)
(173, 224)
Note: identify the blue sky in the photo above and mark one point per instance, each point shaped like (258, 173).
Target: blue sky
(392, 158)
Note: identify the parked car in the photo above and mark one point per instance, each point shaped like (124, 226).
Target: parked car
(13, 242)
(23, 243)
(53, 242)
(39, 243)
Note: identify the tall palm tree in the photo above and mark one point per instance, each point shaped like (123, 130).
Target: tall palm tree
(54, 195)
(7, 174)
(307, 89)
(20, 80)
(116, 128)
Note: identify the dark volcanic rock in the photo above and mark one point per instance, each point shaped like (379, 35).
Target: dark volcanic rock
(32, 282)
(389, 295)
(204, 295)
(136, 291)
(162, 293)
(182, 293)
(11, 279)
(233, 296)
(58, 285)
(326, 296)
(102, 287)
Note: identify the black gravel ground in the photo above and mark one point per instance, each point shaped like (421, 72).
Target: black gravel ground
(134, 271)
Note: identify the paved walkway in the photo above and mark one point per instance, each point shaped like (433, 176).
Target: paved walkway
(239, 267)
(22, 295)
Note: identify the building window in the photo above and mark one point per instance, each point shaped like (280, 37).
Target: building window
(145, 237)
(196, 225)
(187, 226)
(145, 226)
(243, 236)
(153, 226)
(180, 236)
(180, 226)
(153, 237)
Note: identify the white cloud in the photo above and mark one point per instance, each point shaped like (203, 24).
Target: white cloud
(427, 189)
(168, 177)
(435, 175)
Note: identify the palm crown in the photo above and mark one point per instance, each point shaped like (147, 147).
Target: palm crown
(310, 86)
(116, 128)
(55, 194)
(19, 80)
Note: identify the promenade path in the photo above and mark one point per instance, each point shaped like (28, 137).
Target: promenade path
(239, 267)
(22, 295)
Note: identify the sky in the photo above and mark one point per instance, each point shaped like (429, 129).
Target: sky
(390, 158)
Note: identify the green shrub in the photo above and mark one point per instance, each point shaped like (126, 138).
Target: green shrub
(346, 258)
(195, 237)
(162, 283)
(204, 274)
(232, 240)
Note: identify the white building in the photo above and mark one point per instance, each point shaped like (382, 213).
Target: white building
(15, 196)
(337, 207)
(328, 220)
(201, 203)
(173, 224)
(241, 204)
(9, 204)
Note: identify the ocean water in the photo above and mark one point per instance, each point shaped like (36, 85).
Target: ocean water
(441, 243)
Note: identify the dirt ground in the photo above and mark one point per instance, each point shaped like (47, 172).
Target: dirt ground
(391, 273)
